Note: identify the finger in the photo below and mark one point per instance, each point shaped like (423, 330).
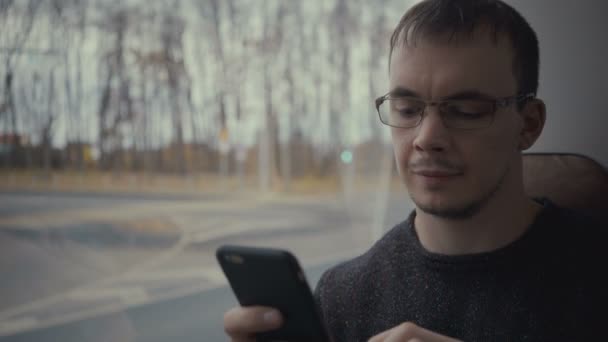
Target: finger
(405, 332)
(410, 332)
(382, 336)
(418, 333)
(394, 337)
(241, 323)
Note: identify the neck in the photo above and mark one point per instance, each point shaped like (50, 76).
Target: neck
(497, 224)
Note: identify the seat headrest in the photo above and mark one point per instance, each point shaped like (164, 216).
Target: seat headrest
(570, 180)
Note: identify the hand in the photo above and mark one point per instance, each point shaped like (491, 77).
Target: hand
(410, 332)
(241, 323)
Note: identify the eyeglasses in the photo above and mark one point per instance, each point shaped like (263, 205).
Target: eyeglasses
(408, 112)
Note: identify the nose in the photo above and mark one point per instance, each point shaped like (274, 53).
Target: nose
(431, 134)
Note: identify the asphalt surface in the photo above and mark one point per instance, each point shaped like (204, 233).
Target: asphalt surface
(195, 317)
(124, 267)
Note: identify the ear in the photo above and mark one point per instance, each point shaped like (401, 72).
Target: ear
(533, 115)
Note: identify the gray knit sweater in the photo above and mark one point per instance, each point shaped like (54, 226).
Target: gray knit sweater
(549, 285)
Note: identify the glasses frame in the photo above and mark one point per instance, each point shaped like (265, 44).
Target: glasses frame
(496, 103)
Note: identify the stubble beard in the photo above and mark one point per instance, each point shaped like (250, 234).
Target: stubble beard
(466, 210)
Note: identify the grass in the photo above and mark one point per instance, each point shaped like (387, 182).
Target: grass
(98, 181)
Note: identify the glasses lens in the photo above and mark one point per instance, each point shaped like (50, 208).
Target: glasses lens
(467, 114)
(401, 112)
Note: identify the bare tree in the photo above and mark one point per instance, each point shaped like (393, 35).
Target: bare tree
(39, 101)
(143, 134)
(344, 25)
(293, 45)
(379, 35)
(268, 137)
(17, 19)
(48, 124)
(166, 78)
(172, 30)
(71, 17)
(116, 106)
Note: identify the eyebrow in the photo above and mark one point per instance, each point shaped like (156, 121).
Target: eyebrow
(460, 95)
(402, 91)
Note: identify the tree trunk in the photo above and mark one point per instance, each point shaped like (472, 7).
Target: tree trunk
(48, 127)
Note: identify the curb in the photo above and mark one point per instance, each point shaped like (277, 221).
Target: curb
(100, 234)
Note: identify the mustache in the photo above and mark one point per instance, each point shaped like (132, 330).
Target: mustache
(435, 164)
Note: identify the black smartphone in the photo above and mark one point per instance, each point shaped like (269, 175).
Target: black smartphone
(273, 277)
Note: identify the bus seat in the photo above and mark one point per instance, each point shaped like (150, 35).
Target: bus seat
(572, 181)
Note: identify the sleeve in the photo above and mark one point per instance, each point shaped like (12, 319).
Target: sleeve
(319, 295)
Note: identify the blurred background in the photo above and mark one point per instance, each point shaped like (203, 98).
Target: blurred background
(138, 136)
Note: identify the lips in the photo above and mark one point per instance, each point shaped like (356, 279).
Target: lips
(436, 179)
(436, 173)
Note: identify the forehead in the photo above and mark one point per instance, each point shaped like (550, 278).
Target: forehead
(439, 66)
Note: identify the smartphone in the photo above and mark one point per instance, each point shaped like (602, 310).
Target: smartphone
(274, 278)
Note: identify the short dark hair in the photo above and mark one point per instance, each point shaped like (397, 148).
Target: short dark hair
(461, 18)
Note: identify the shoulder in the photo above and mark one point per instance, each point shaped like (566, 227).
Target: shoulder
(579, 259)
(574, 226)
(359, 275)
(376, 258)
(574, 238)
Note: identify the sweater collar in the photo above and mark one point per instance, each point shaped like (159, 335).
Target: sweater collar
(517, 249)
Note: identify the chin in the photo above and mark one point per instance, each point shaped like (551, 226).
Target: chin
(454, 211)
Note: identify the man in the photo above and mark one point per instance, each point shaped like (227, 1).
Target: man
(477, 260)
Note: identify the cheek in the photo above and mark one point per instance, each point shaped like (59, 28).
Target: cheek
(488, 157)
(401, 148)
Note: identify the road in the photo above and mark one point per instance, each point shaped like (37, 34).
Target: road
(140, 267)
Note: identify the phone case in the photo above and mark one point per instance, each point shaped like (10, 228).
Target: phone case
(273, 277)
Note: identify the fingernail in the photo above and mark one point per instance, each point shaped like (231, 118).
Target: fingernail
(272, 317)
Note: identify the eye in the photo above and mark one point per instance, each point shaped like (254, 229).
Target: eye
(406, 107)
(408, 112)
(467, 109)
(466, 115)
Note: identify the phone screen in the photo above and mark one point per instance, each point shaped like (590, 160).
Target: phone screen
(273, 278)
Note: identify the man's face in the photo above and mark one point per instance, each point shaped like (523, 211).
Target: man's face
(451, 172)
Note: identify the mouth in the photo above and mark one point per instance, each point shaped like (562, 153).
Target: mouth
(436, 173)
(435, 178)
